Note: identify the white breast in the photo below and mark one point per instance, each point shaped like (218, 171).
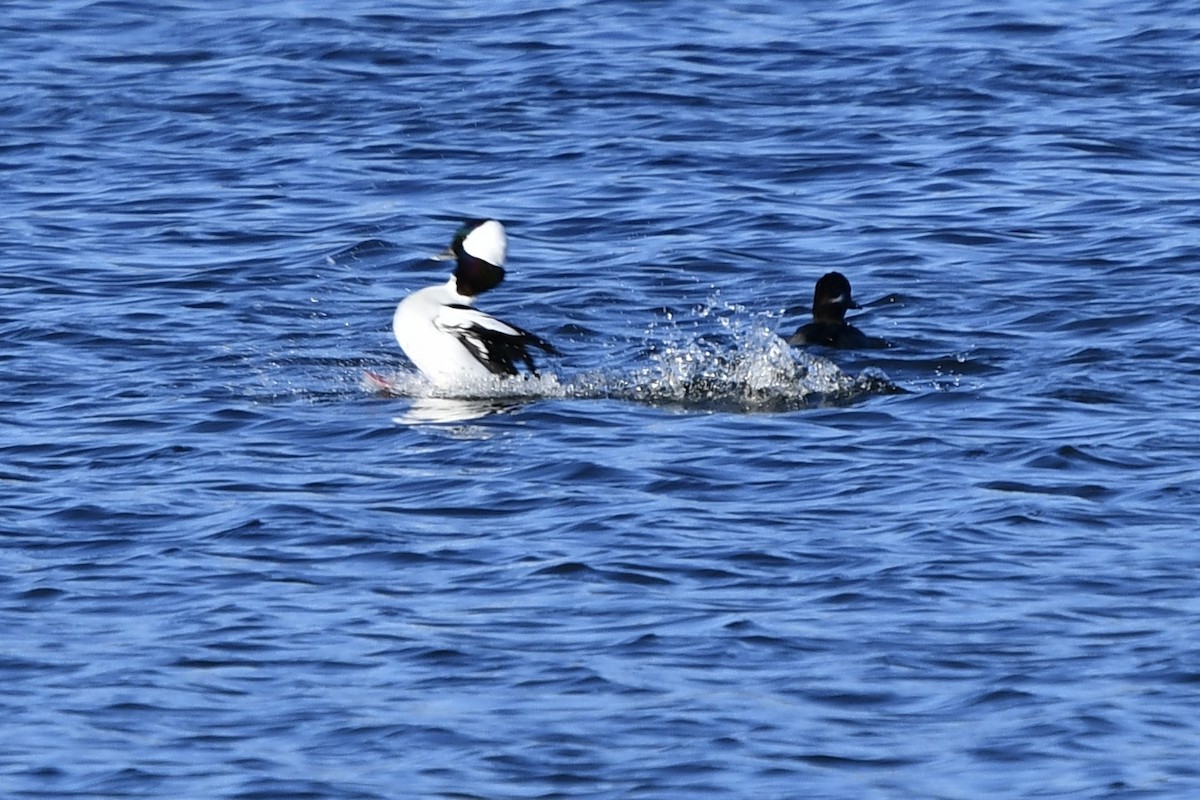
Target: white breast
(440, 356)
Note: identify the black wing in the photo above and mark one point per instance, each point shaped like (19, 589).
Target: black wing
(494, 343)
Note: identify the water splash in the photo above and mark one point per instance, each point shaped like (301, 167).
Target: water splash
(461, 402)
(744, 365)
(413, 384)
(738, 364)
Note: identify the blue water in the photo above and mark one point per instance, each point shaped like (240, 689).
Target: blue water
(688, 560)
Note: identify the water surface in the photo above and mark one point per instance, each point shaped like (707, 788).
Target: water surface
(687, 560)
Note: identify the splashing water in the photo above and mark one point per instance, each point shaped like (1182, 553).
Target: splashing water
(743, 366)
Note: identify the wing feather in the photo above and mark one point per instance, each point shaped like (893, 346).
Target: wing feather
(495, 343)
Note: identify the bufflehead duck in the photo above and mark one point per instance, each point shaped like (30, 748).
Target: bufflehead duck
(442, 333)
(831, 299)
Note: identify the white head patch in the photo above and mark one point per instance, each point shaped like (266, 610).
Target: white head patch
(487, 242)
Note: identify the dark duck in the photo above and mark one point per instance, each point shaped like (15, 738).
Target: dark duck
(831, 299)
